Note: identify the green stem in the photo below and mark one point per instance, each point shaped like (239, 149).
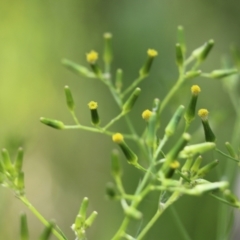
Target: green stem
(113, 121)
(133, 85)
(75, 117)
(40, 217)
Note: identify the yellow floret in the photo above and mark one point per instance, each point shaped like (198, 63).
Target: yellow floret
(203, 113)
(175, 165)
(195, 89)
(92, 105)
(92, 57)
(152, 53)
(117, 138)
(146, 114)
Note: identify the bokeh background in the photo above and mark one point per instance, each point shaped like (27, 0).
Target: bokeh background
(62, 167)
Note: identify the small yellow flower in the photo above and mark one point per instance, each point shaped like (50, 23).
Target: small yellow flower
(195, 89)
(203, 113)
(146, 114)
(152, 53)
(175, 165)
(92, 57)
(92, 105)
(117, 138)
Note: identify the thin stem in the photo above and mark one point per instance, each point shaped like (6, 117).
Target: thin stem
(75, 117)
(133, 85)
(225, 155)
(40, 217)
(113, 121)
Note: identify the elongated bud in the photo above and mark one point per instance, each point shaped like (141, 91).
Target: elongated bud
(24, 227)
(8, 166)
(151, 134)
(83, 208)
(20, 183)
(200, 148)
(94, 113)
(46, 234)
(230, 196)
(19, 161)
(144, 71)
(69, 98)
(181, 39)
(190, 112)
(236, 56)
(92, 58)
(196, 165)
(111, 190)
(79, 221)
(209, 135)
(230, 150)
(78, 69)
(129, 154)
(207, 168)
(107, 55)
(202, 52)
(52, 123)
(118, 81)
(179, 55)
(173, 166)
(192, 74)
(131, 101)
(222, 73)
(157, 109)
(146, 114)
(187, 165)
(90, 220)
(173, 154)
(172, 125)
(116, 169)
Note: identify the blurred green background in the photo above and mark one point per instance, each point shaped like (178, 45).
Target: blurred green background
(62, 167)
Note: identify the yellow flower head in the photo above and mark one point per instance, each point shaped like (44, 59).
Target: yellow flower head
(152, 53)
(92, 105)
(195, 89)
(146, 114)
(175, 165)
(92, 57)
(117, 138)
(203, 113)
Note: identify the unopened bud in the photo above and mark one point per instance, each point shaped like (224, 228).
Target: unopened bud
(94, 113)
(52, 123)
(131, 101)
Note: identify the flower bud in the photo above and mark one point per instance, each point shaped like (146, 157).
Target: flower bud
(129, 154)
(52, 123)
(7, 164)
(94, 113)
(209, 135)
(230, 196)
(118, 81)
(83, 208)
(146, 114)
(107, 56)
(147, 66)
(179, 55)
(172, 125)
(173, 166)
(47, 231)
(200, 148)
(187, 165)
(92, 58)
(20, 183)
(88, 223)
(24, 227)
(202, 52)
(207, 168)
(196, 165)
(69, 98)
(116, 169)
(173, 154)
(230, 150)
(222, 73)
(131, 101)
(151, 133)
(111, 190)
(190, 112)
(19, 161)
(78, 69)
(181, 39)
(192, 74)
